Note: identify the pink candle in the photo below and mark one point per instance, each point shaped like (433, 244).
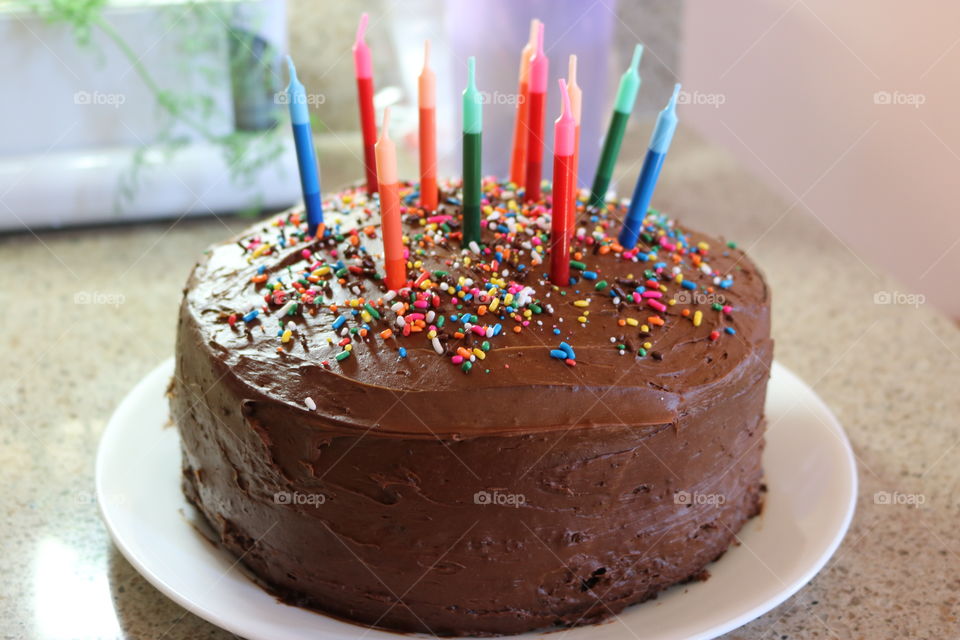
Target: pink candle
(564, 143)
(576, 102)
(390, 227)
(427, 98)
(363, 68)
(539, 71)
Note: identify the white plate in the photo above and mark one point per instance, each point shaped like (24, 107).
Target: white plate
(811, 480)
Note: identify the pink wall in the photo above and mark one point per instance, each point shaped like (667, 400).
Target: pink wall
(791, 88)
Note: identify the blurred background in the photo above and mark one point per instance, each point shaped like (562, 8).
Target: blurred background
(144, 109)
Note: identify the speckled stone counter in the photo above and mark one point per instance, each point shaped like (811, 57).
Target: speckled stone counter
(86, 314)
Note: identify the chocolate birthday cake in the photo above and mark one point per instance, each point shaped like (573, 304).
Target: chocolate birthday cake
(479, 452)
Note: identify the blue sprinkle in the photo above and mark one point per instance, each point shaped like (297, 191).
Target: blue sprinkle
(250, 317)
(688, 284)
(567, 349)
(730, 330)
(589, 275)
(556, 331)
(454, 317)
(339, 322)
(261, 268)
(454, 202)
(559, 354)
(497, 328)
(521, 267)
(403, 352)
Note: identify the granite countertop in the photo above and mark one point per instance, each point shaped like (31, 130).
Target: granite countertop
(88, 313)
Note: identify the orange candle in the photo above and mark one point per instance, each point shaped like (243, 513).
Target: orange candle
(518, 159)
(390, 228)
(576, 100)
(427, 99)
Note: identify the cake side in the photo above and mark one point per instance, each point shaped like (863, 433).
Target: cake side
(414, 496)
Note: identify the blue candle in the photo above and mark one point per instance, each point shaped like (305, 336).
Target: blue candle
(643, 192)
(306, 157)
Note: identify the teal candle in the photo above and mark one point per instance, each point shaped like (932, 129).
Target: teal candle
(472, 135)
(626, 98)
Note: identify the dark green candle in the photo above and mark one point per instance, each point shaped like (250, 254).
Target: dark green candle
(472, 134)
(626, 97)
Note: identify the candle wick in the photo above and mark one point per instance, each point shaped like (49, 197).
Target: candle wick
(637, 54)
(385, 130)
(362, 28)
(426, 54)
(572, 70)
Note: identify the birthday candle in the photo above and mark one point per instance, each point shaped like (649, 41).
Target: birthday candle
(306, 156)
(363, 67)
(576, 102)
(427, 99)
(564, 142)
(539, 69)
(626, 97)
(647, 181)
(472, 133)
(519, 157)
(390, 228)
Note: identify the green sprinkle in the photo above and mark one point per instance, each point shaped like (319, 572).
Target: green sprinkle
(466, 366)
(441, 320)
(343, 355)
(642, 352)
(440, 274)
(293, 308)
(371, 310)
(732, 245)
(574, 264)
(717, 306)
(600, 286)
(485, 345)
(536, 308)
(342, 272)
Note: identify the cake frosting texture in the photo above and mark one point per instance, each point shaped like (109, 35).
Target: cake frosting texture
(493, 454)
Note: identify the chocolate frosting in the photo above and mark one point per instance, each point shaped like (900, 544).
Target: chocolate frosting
(524, 493)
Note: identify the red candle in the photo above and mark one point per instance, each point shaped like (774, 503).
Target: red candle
(427, 98)
(390, 228)
(539, 69)
(576, 101)
(363, 67)
(518, 159)
(564, 142)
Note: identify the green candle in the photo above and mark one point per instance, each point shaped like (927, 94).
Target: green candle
(626, 97)
(472, 133)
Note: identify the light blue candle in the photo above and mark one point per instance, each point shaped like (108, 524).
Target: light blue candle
(643, 192)
(306, 156)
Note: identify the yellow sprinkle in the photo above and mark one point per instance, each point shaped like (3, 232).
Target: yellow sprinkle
(479, 353)
(581, 303)
(671, 302)
(426, 284)
(259, 251)
(494, 304)
(347, 199)
(286, 336)
(431, 334)
(644, 328)
(527, 313)
(466, 261)
(703, 246)
(507, 299)
(348, 347)
(663, 288)
(582, 319)
(647, 345)
(322, 271)
(679, 278)
(365, 316)
(697, 318)
(632, 322)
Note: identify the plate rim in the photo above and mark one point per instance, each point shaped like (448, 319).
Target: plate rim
(218, 619)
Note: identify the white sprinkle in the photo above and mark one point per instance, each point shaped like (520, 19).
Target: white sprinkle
(474, 246)
(292, 326)
(400, 321)
(437, 346)
(389, 295)
(397, 307)
(430, 316)
(310, 403)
